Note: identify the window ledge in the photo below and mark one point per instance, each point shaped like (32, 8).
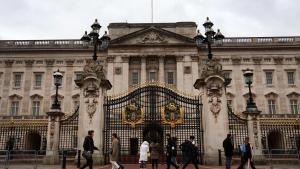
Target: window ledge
(292, 85)
(269, 85)
(16, 88)
(37, 88)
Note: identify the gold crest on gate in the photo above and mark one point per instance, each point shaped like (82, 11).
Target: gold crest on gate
(172, 114)
(133, 115)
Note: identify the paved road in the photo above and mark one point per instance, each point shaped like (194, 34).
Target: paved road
(134, 166)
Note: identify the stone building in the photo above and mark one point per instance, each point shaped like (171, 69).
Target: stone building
(143, 53)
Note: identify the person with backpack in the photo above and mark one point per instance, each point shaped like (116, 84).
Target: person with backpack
(191, 151)
(246, 155)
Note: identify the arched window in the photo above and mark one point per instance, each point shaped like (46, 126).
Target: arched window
(272, 102)
(36, 104)
(15, 104)
(294, 102)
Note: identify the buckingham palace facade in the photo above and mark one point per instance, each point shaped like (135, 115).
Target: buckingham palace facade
(141, 54)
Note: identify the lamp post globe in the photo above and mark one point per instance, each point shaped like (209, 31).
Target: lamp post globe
(210, 37)
(57, 82)
(93, 37)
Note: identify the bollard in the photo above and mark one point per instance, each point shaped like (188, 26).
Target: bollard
(220, 158)
(64, 161)
(78, 158)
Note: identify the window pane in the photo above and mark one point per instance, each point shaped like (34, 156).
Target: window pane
(152, 76)
(18, 80)
(170, 77)
(269, 77)
(38, 80)
(135, 78)
(14, 108)
(291, 77)
(35, 108)
(294, 106)
(272, 106)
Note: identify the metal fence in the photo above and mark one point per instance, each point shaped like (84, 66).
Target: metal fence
(35, 158)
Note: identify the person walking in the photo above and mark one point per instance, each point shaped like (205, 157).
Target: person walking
(228, 149)
(119, 161)
(184, 151)
(246, 152)
(171, 152)
(88, 146)
(144, 150)
(191, 151)
(115, 152)
(154, 154)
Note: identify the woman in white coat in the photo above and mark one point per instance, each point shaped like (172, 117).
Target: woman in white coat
(144, 149)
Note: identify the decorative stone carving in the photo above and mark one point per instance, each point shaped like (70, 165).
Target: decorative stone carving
(91, 93)
(215, 106)
(210, 68)
(118, 70)
(70, 62)
(49, 62)
(187, 70)
(93, 68)
(153, 37)
(236, 60)
(9, 63)
(278, 60)
(257, 60)
(29, 62)
(110, 59)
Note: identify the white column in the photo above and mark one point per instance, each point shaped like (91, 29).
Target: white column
(125, 73)
(143, 70)
(110, 72)
(161, 73)
(179, 73)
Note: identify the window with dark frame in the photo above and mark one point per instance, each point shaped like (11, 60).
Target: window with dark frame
(291, 77)
(38, 80)
(17, 80)
(14, 108)
(269, 77)
(294, 106)
(170, 78)
(272, 106)
(36, 108)
(135, 78)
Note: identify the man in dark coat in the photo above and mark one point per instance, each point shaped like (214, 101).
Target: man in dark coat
(171, 152)
(88, 146)
(191, 151)
(228, 149)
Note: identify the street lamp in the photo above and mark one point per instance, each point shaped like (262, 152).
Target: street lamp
(93, 37)
(211, 37)
(57, 82)
(251, 106)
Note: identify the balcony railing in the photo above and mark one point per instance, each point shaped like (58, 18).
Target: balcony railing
(76, 43)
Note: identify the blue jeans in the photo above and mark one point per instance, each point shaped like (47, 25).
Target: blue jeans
(228, 162)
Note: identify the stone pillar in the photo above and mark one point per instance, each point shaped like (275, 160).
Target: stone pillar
(161, 71)
(93, 89)
(179, 73)
(48, 84)
(215, 114)
(254, 133)
(143, 70)
(125, 73)
(6, 86)
(52, 154)
(27, 86)
(68, 88)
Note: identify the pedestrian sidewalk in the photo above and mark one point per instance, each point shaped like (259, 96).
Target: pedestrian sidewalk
(136, 166)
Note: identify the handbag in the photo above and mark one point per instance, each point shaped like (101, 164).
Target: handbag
(87, 154)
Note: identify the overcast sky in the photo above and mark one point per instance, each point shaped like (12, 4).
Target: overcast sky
(67, 19)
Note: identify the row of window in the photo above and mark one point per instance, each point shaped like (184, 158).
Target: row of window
(152, 76)
(269, 79)
(35, 107)
(37, 81)
(272, 108)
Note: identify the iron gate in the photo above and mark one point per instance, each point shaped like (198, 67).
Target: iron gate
(152, 119)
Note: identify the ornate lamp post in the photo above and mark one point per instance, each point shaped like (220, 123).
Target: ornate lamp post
(251, 106)
(211, 37)
(93, 37)
(57, 82)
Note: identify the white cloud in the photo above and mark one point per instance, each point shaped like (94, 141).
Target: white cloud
(64, 19)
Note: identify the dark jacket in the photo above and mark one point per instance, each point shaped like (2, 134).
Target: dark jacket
(189, 149)
(228, 147)
(171, 148)
(88, 144)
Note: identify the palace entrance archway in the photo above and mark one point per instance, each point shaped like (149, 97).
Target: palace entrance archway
(33, 141)
(149, 113)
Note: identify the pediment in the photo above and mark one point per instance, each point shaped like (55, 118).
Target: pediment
(152, 36)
